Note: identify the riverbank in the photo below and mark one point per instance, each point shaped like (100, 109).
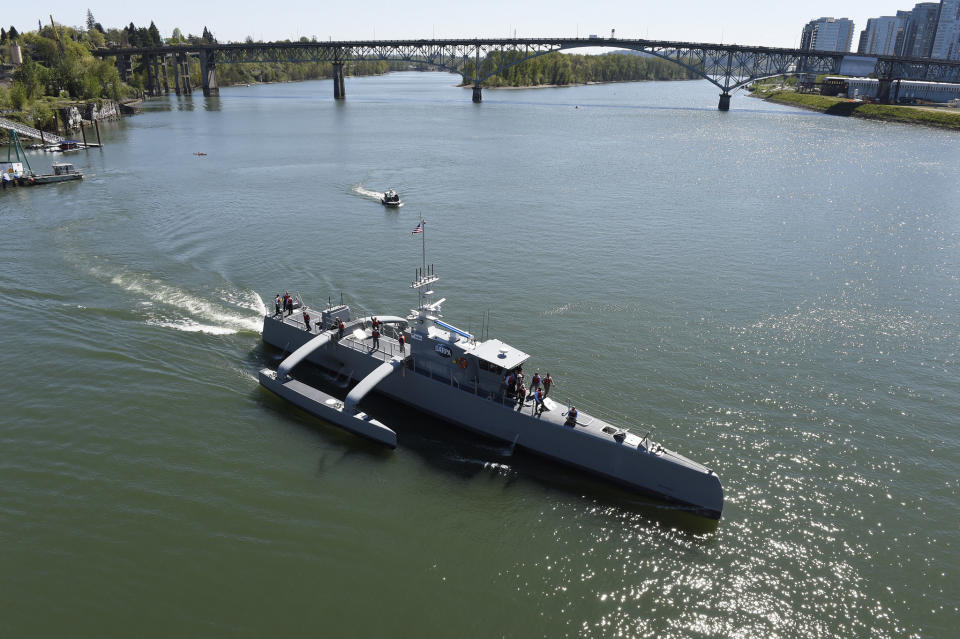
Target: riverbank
(927, 116)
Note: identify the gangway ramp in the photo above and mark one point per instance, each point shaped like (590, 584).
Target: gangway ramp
(30, 132)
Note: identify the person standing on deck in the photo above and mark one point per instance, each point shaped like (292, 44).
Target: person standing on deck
(340, 328)
(276, 305)
(306, 320)
(538, 406)
(521, 396)
(511, 382)
(547, 383)
(402, 340)
(535, 382)
(376, 338)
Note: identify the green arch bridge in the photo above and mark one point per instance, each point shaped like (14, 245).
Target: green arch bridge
(728, 66)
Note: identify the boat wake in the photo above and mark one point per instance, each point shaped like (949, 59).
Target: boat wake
(359, 190)
(226, 312)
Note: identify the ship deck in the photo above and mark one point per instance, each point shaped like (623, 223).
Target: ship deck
(357, 336)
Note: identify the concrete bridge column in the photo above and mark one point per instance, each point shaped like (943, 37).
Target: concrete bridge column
(124, 67)
(477, 94)
(339, 91)
(148, 65)
(208, 71)
(883, 91)
(183, 69)
(157, 84)
(724, 101)
(176, 73)
(163, 74)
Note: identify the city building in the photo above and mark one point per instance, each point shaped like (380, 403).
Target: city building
(827, 34)
(883, 35)
(946, 44)
(920, 30)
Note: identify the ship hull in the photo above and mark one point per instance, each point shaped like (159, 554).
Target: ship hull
(664, 474)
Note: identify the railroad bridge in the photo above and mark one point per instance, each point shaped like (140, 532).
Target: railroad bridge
(727, 66)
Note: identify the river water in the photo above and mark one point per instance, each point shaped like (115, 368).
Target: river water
(775, 291)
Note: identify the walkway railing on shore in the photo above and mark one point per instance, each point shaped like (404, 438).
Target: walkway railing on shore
(30, 132)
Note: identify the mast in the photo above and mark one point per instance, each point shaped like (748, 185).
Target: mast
(424, 276)
(423, 240)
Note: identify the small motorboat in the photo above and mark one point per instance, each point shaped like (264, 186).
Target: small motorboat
(390, 198)
(62, 172)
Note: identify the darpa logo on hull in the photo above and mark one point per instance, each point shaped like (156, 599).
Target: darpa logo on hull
(443, 350)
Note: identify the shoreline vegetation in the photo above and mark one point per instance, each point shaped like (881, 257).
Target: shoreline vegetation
(466, 85)
(566, 69)
(943, 118)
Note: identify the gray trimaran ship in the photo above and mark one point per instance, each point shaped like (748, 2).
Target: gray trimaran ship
(435, 367)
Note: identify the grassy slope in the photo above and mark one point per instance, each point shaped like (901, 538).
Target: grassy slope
(944, 118)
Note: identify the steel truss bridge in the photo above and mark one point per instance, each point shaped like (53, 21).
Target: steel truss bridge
(727, 66)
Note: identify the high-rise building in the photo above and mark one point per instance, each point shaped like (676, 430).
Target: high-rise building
(946, 44)
(920, 30)
(882, 35)
(827, 34)
(901, 34)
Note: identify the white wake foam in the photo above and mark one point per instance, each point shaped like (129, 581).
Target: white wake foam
(358, 189)
(190, 326)
(173, 307)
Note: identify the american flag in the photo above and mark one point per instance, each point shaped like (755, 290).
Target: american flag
(419, 228)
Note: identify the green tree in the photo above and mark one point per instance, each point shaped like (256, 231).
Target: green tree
(96, 39)
(43, 115)
(32, 77)
(18, 96)
(91, 23)
(154, 33)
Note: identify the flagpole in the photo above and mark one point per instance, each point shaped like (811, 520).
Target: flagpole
(423, 242)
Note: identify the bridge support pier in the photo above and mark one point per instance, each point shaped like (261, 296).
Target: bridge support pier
(157, 83)
(176, 74)
(183, 72)
(339, 90)
(124, 67)
(163, 74)
(883, 90)
(148, 67)
(724, 101)
(208, 72)
(477, 94)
